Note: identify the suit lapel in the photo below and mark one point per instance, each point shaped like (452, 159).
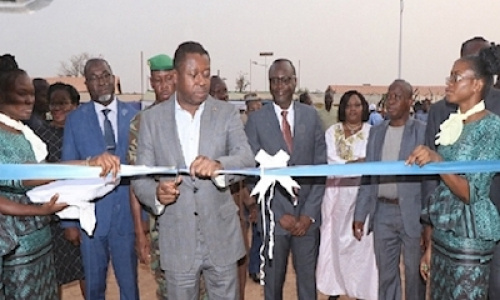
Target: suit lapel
(94, 129)
(379, 141)
(272, 126)
(208, 127)
(172, 141)
(123, 127)
(408, 140)
(299, 132)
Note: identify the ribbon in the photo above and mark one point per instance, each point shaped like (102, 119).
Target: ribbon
(57, 171)
(267, 183)
(272, 169)
(79, 194)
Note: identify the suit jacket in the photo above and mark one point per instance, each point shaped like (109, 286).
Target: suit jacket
(309, 148)
(410, 195)
(201, 204)
(83, 138)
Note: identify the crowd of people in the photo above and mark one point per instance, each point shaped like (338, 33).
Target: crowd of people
(346, 235)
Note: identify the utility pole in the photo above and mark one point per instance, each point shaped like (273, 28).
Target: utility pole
(401, 8)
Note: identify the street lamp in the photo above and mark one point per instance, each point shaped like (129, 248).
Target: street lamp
(266, 54)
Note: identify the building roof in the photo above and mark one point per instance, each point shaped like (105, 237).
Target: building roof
(373, 93)
(420, 91)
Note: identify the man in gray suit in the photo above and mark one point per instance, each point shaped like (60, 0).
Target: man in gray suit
(394, 203)
(198, 221)
(295, 128)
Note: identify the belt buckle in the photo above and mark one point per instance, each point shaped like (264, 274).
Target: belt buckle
(394, 201)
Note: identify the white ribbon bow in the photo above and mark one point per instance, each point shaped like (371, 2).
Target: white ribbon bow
(451, 128)
(268, 182)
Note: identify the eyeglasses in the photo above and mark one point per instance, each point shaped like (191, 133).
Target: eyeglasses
(105, 76)
(283, 80)
(395, 97)
(454, 78)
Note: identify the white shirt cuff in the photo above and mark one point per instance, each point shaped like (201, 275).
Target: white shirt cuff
(159, 207)
(220, 181)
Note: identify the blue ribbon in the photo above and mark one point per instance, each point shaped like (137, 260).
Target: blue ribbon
(57, 171)
(379, 168)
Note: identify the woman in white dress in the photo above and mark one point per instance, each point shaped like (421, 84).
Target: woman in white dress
(346, 266)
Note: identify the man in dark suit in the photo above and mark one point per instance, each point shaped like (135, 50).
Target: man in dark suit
(198, 220)
(438, 113)
(295, 128)
(394, 203)
(98, 126)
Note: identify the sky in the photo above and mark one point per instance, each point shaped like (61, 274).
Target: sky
(342, 42)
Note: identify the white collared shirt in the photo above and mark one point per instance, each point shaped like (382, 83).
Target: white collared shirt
(188, 130)
(112, 115)
(290, 116)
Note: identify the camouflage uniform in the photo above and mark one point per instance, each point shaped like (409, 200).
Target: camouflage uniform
(161, 292)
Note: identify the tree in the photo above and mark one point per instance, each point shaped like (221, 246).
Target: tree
(241, 83)
(75, 65)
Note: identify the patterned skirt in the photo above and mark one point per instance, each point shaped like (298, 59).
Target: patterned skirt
(28, 272)
(459, 267)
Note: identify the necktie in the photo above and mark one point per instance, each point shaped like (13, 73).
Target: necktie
(287, 132)
(109, 134)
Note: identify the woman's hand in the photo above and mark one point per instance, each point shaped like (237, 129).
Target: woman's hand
(423, 155)
(358, 229)
(361, 159)
(51, 207)
(72, 234)
(108, 162)
(425, 264)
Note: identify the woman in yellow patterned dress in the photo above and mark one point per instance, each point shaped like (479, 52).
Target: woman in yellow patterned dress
(346, 266)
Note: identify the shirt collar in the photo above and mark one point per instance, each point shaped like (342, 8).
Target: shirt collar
(113, 106)
(290, 109)
(179, 108)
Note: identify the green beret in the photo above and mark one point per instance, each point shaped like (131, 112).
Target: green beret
(160, 62)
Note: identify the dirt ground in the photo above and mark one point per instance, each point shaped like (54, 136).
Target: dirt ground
(147, 287)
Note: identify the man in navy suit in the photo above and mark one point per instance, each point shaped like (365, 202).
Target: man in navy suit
(295, 128)
(98, 126)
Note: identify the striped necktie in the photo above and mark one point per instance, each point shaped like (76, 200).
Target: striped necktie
(109, 134)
